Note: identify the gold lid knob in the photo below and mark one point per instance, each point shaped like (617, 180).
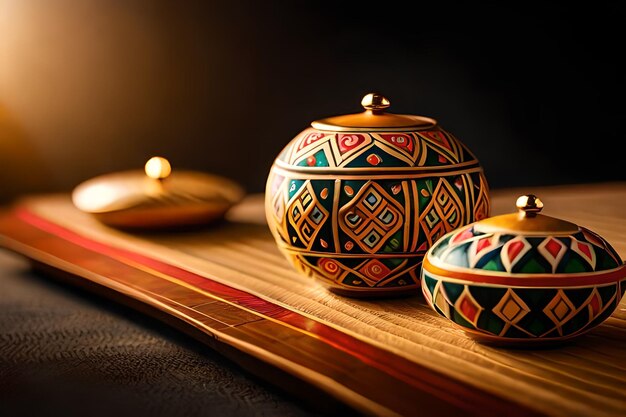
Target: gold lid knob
(529, 205)
(374, 119)
(375, 102)
(158, 168)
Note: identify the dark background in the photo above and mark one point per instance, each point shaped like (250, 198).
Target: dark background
(534, 89)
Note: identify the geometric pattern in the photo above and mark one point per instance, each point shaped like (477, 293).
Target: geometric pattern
(560, 310)
(306, 215)
(585, 250)
(552, 250)
(371, 218)
(406, 149)
(481, 247)
(511, 309)
(493, 306)
(359, 210)
(481, 207)
(363, 273)
(443, 213)
(468, 307)
(521, 313)
(513, 251)
(525, 254)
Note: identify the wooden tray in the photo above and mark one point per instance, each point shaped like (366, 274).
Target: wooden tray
(230, 287)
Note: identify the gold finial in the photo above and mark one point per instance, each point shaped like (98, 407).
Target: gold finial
(529, 205)
(158, 168)
(375, 102)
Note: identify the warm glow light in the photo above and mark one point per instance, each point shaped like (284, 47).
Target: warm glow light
(158, 168)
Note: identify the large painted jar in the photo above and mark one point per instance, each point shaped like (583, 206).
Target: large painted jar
(523, 278)
(356, 200)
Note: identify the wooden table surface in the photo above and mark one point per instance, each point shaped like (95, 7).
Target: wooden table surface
(230, 288)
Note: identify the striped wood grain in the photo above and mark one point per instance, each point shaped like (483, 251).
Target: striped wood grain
(431, 366)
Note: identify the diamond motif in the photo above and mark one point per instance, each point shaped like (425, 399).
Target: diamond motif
(552, 250)
(586, 251)
(468, 307)
(371, 218)
(443, 214)
(511, 308)
(560, 310)
(513, 251)
(372, 238)
(481, 247)
(306, 215)
(553, 247)
(374, 271)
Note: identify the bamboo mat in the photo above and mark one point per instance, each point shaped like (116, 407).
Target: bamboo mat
(397, 339)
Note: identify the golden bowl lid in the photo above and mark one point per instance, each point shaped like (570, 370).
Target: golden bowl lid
(374, 118)
(540, 250)
(527, 221)
(156, 197)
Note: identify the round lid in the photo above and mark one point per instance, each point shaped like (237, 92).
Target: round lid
(157, 197)
(374, 118)
(525, 245)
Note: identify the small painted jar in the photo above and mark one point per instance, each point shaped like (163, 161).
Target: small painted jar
(523, 278)
(356, 200)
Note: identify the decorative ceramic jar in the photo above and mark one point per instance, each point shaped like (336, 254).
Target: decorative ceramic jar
(523, 278)
(356, 200)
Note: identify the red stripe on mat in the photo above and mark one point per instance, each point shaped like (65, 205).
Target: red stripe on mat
(425, 379)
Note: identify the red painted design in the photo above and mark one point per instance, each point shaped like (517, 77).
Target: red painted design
(324, 193)
(309, 139)
(310, 161)
(329, 266)
(553, 247)
(464, 235)
(348, 142)
(458, 182)
(482, 244)
(402, 141)
(438, 137)
(349, 245)
(374, 159)
(375, 270)
(396, 188)
(514, 249)
(442, 159)
(585, 248)
(468, 308)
